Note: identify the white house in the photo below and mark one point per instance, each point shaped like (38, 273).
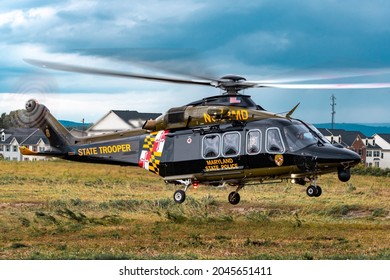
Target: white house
(380, 148)
(32, 138)
(119, 120)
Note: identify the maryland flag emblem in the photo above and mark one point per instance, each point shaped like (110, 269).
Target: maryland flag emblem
(152, 149)
(279, 160)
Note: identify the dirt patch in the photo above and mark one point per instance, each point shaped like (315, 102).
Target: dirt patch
(353, 214)
(5, 205)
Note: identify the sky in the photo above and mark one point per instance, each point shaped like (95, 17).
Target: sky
(259, 40)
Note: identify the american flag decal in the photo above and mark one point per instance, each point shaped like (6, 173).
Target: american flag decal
(234, 100)
(152, 149)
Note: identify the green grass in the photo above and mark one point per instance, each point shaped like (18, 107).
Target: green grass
(65, 210)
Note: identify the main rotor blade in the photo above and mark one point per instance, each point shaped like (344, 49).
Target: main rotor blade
(326, 86)
(221, 83)
(324, 75)
(112, 73)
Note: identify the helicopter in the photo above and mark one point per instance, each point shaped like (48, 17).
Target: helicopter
(225, 139)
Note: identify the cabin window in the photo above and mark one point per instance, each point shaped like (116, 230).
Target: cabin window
(274, 142)
(231, 144)
(253, 142)
(210, 146)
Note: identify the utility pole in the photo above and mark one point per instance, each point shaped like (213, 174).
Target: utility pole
(83, 128)
(333, 104)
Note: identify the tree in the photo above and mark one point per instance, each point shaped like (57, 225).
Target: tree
(6, 121)
(2, 120)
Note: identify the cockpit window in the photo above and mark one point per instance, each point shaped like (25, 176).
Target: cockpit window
(274, 142)
(298, 136)
(317, 133)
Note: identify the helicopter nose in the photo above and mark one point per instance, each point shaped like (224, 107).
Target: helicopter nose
(349, 158)
(344, 157)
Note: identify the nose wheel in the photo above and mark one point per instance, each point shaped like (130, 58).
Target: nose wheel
(179, 196)
(314, 191)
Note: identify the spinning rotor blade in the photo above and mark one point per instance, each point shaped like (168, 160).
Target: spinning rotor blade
(326, 86)
(112, 73)
(231, 83)
(324, 75)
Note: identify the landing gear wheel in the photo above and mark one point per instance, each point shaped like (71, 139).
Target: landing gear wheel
(179, 196)
(234, 198)
(319, 191)
(311, 191)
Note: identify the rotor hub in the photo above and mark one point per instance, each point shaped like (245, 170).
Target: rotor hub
(30, 105)
(232, 84)
(233, 78)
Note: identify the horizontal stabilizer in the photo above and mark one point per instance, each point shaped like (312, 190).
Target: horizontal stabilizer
(27, 152)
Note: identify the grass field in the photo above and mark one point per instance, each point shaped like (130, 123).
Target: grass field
(65, 210)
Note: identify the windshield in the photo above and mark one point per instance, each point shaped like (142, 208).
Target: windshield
(298, 137)
(317, 133)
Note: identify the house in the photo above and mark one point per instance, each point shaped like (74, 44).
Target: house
(374, 153)
(379, 150)
(118, 120)
(330, 136)
(32, 138)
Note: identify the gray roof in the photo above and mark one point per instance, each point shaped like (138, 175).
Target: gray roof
(324, 131)
(347, 137)
(385, 136)
(127, 115)
(374, 147)
(34, 138)
(25, 136)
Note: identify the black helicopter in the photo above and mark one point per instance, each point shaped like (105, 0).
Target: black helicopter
(218, 140)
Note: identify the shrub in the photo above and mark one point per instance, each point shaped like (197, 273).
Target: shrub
(373, 171)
